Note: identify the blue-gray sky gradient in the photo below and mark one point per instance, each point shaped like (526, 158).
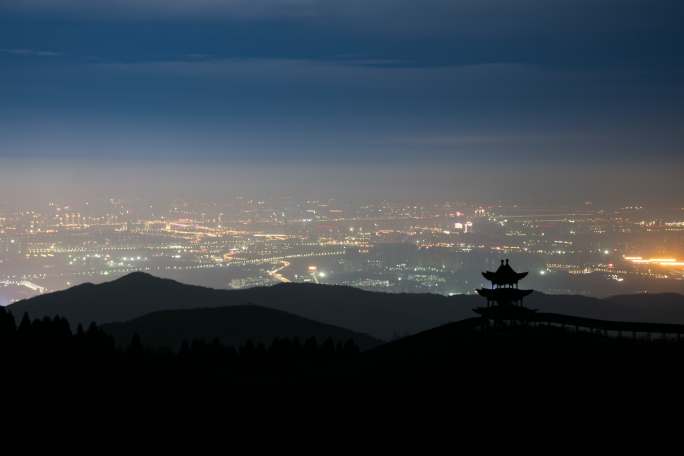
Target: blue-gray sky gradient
(552, 86)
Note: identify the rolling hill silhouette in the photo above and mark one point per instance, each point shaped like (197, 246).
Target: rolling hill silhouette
(381, 315)
(508, 359)
(231, 325)
(378, 314)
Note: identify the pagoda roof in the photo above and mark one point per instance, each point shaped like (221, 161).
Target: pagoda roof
(504, 275)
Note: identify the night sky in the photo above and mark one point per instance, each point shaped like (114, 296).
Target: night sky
(562, 100)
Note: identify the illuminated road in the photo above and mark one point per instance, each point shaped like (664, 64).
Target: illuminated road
(276, 272)
(25, 283)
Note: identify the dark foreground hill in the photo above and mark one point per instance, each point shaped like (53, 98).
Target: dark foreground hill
(472, 358)
(526, 357)
(381, 315)
(231, 326)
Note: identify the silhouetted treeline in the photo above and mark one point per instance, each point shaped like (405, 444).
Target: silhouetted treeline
(464, 353)
(48, 346)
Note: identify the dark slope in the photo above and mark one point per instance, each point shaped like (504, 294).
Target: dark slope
(516, 361)
(381, 315)
(232, 325)
(581, 306)
(647, 307)
(667, 307)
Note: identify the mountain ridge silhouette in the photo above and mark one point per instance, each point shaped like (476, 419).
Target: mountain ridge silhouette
(229, 325)
(378, 314)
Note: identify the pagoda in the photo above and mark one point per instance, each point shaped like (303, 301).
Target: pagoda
(504, 298)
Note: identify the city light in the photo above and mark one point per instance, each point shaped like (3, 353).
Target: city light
(393, 247)
(655, 261)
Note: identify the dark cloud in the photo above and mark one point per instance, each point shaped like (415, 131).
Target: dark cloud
(30, 52)
(483, 15)
(167, 8)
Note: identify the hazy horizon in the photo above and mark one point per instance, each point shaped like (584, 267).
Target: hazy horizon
(27, 183)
